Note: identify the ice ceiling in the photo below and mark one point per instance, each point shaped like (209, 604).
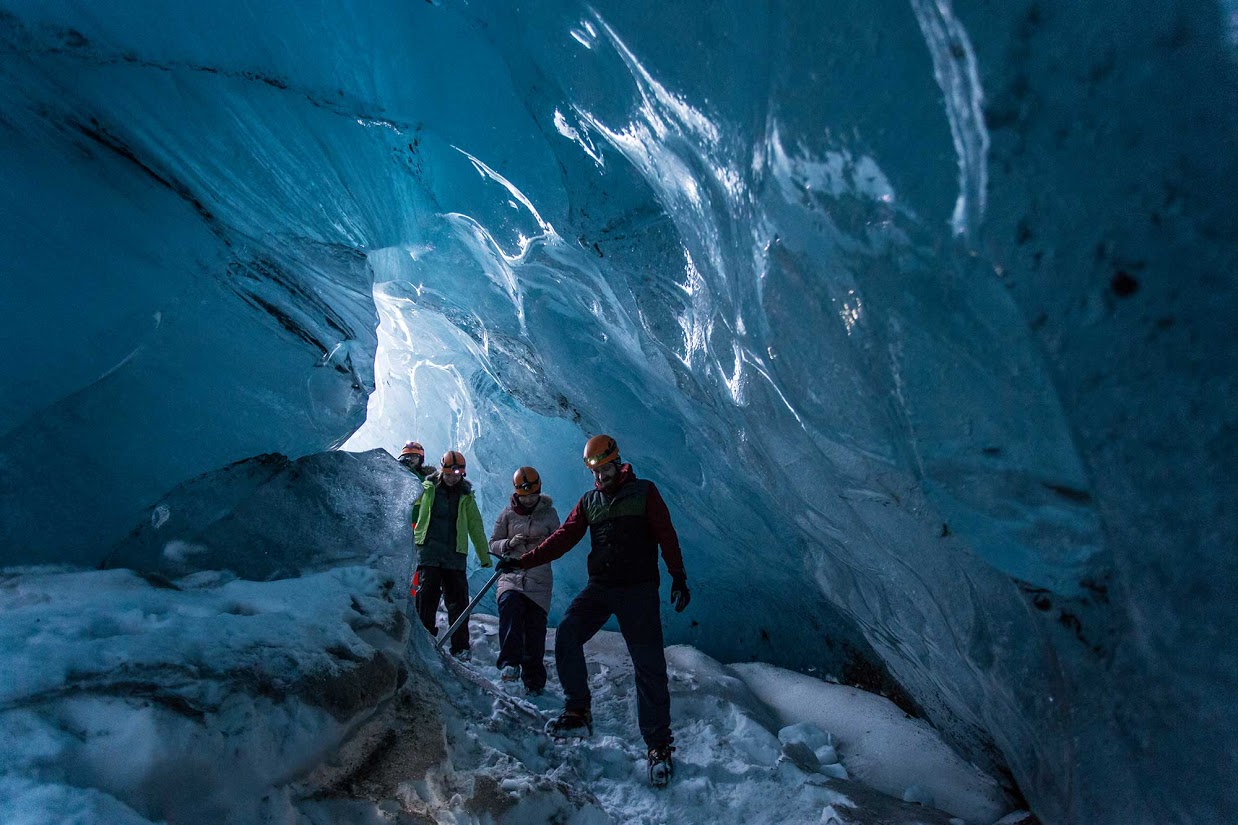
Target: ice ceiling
(921, 314)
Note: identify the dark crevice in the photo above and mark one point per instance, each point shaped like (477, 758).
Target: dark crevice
(18, 39)
(100, 136)
(1069, 493)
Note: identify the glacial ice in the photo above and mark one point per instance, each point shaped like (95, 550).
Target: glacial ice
(920, 314)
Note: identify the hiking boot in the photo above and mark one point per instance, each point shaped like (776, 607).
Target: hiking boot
(510, 673)
(463, 655)
(660, 766)
(571, 722)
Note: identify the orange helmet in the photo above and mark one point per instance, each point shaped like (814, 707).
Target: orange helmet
(599, 450)
(413, 448)
(527, 482)
(453, 462)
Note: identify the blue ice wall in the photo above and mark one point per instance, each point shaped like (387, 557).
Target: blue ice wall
(920, 313)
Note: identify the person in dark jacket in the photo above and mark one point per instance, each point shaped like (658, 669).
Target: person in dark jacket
(627, 521)
(413, 459)
(446, 518)
(524, 596)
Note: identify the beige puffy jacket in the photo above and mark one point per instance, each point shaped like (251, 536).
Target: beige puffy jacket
(538, 582)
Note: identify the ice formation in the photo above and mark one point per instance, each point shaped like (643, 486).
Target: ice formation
(920, 313)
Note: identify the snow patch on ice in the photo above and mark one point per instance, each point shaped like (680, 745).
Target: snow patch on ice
(879, 744)
(179, 552)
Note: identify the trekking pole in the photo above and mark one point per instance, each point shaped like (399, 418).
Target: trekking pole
(464, 617)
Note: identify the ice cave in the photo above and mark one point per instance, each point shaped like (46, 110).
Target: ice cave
(921, 314)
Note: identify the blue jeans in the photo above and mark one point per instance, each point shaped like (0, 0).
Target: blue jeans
(522, 638)
(636, 606)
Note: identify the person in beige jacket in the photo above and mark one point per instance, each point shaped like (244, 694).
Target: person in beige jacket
(524, 596)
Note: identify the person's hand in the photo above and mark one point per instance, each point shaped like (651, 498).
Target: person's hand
(679, 593)
(518, 540)
(507, 564)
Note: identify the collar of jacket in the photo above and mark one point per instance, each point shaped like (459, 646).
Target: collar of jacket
(519, 509)
(437, 480)
(543, 504)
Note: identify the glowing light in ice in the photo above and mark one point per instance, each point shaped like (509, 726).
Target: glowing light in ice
(485, 171)
(581, 139)
(851, 311)
(586, 35)
(957, 73)
(838, 173)
(695, 320)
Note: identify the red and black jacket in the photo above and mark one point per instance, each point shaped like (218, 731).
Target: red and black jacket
(625, 527)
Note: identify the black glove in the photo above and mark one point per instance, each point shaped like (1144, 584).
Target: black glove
(679, 593)
(508, 564)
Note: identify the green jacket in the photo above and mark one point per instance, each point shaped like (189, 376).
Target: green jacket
(468, 522)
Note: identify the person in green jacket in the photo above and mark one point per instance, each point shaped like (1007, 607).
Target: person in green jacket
(446, 518)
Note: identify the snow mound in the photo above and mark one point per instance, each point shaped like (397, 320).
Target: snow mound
(126, 700)
(879, 744)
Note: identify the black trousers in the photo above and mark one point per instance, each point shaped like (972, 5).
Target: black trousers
(522, 638)
(637, 609)
(453, 587)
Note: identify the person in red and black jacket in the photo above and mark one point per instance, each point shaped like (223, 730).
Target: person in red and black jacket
(627, 522)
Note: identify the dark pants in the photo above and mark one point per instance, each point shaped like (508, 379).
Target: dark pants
(522, 637)
(453, 586)
(636, 608)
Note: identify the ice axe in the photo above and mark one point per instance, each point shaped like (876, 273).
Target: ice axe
(464, 617)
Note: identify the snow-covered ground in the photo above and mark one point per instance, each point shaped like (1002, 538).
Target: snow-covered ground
(308, 700)
(749, 746)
